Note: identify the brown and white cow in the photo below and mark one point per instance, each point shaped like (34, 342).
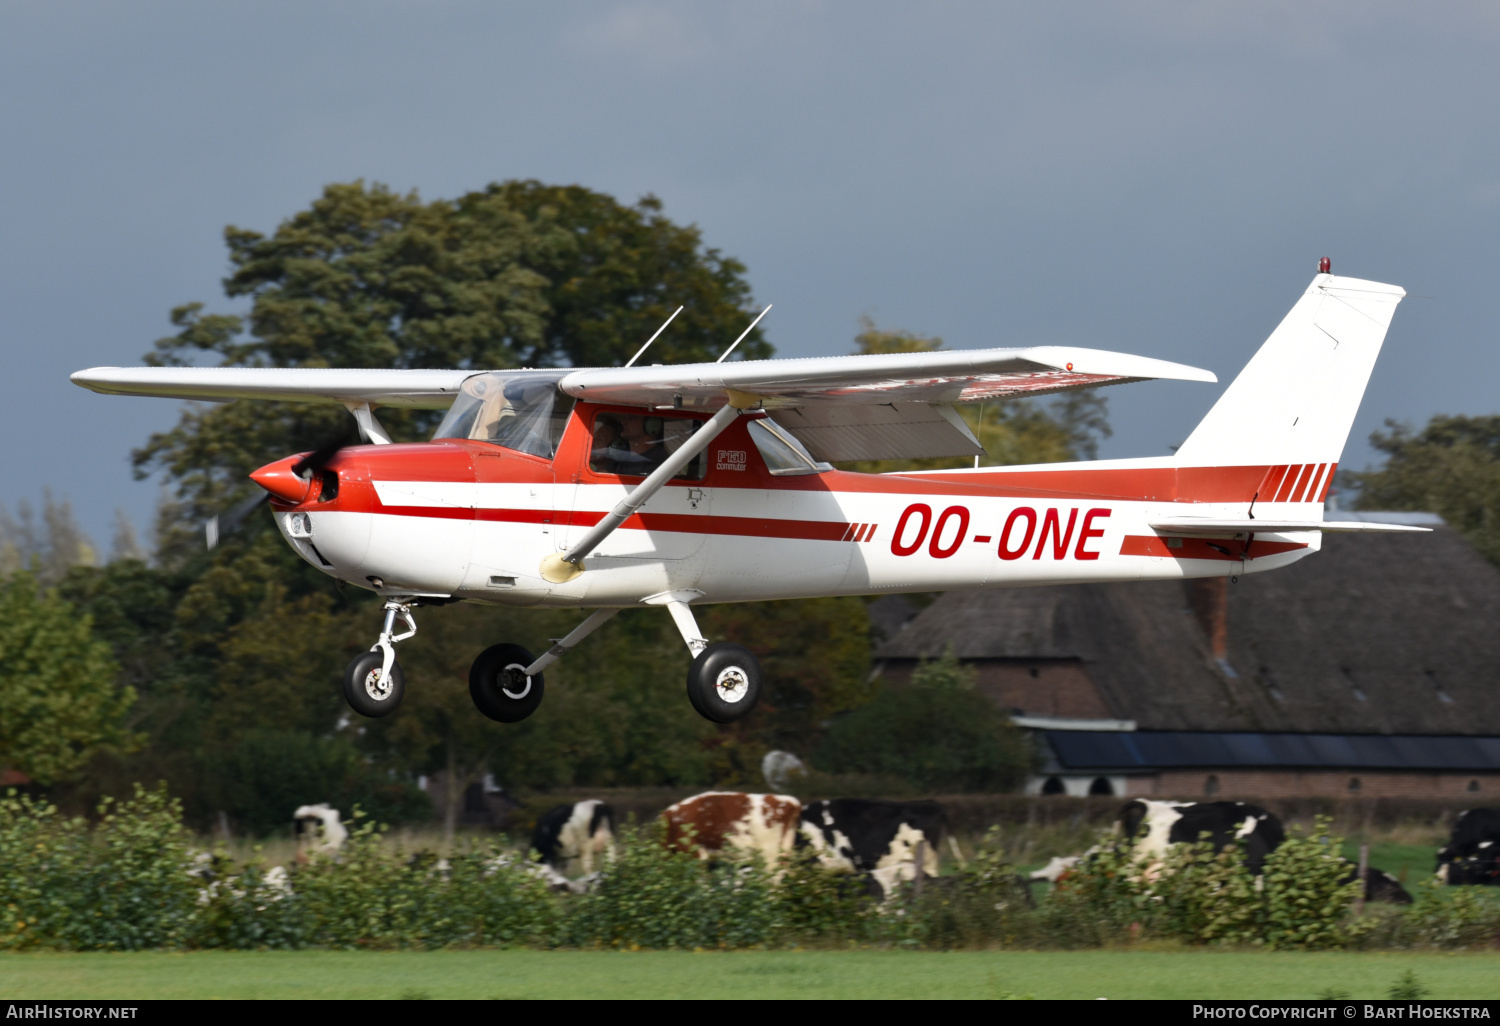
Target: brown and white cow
(710, 823)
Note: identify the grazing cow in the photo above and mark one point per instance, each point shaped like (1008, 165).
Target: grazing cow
(1472, 854)
(580, 831)
(875, 838)
(1154, 826)
(1380, 885)
(715, 820)
(319, 831)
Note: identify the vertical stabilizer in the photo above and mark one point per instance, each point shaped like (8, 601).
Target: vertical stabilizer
(1295, 402)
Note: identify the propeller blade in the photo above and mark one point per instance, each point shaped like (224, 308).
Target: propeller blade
(224, 523)
(318, 458)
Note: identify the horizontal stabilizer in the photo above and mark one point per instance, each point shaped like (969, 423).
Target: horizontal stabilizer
(1203, 525)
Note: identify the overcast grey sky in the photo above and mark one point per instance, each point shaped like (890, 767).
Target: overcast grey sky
(1158, 178)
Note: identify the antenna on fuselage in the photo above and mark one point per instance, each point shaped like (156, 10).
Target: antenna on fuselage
(652, 339)
(745, 332)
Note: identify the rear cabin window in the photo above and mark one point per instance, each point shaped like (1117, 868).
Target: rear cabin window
(633, 445)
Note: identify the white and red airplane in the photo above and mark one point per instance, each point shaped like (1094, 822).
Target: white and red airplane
(604, 488)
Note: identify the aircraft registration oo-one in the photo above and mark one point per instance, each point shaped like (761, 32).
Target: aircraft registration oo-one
(606, 488)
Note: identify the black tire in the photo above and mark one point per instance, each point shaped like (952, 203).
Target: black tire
(498, 687)
(362, 687)
(724, 682)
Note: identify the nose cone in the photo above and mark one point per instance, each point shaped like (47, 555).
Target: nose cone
(282, 481)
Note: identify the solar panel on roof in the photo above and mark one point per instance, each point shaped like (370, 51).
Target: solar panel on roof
(1143, 749)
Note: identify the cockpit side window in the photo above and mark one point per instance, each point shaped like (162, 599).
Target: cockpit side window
(524, 411)
(633, 445)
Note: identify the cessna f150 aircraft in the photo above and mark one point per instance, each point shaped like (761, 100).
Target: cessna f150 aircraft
(603, 488)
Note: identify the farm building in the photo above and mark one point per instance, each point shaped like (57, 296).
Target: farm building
(1371, 669)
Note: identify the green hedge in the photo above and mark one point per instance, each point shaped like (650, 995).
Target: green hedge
(132, 879)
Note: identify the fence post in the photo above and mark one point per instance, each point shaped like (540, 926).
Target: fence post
(921, 857)
(1364, 876)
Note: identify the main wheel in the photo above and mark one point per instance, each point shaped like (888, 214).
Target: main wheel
(499, 685)
(724, 682)
(364, 690)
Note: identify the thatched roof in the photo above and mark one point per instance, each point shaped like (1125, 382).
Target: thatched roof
(1377, 634)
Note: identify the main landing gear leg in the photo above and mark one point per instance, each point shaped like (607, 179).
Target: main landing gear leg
(373, 682)
(506, 683)
(724, 680)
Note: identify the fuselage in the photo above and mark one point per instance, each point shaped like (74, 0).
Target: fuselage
(470, 519)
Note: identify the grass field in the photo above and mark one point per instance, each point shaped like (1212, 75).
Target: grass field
(795, 974)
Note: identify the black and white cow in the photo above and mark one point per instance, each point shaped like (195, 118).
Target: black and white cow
(1472, 854)
(1155, 826)
(878, 839)
(578, 831)
(319, 831)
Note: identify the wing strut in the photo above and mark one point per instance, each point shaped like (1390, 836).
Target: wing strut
(561, 569)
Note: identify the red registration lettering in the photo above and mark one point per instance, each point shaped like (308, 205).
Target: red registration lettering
(1006, 552)
(1089, 532)
(921, 509)
(937, 549)
(1060, 539)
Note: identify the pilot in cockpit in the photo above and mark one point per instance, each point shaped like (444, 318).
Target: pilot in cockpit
(627, 444)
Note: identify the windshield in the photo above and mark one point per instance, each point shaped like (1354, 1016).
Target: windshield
(520, 410)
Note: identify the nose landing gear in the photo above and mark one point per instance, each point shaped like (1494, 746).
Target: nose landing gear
(373, 682)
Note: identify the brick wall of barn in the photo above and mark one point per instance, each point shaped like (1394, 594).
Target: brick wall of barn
(1254, 783)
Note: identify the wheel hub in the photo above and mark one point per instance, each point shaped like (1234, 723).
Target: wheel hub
(514, 676)
(377, 686)
(732, 684)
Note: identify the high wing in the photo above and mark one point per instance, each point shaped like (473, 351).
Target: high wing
(422, 389)
(881, 406)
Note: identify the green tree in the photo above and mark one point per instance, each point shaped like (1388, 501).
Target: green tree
(1451, 467)
(60, 702)
(1012, 431)
(935, 732)
(622, 271)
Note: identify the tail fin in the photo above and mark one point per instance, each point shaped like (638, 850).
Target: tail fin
(1296, 399)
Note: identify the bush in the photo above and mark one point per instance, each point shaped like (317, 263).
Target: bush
(131, 881)
(653, 897)
(376, 897)
(1199, 897)
(125, 888)
(937, 733)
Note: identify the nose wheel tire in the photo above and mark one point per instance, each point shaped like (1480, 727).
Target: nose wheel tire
(724, 682)
(499, 686)
(365, 690)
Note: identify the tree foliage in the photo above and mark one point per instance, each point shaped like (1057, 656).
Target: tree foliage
(1450, 467)
(60, 700)
(935, 732)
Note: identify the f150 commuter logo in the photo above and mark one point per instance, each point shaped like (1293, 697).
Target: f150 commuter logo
(1054, 531)
(731, 459)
